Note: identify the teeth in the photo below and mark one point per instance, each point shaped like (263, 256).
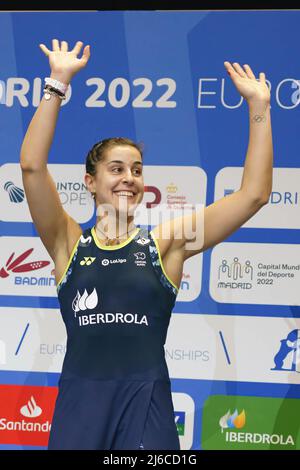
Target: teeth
(124, 193)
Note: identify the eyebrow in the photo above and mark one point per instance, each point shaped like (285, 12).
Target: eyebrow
(120, 161)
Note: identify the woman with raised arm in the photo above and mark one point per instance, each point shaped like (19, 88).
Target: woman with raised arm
(117, 283)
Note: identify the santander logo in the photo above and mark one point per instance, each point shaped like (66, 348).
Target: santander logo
(26, 414)
(31, 410)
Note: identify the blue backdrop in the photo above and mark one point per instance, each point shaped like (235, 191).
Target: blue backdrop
(203, 124)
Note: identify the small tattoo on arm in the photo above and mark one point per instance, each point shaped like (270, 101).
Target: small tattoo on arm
(258, 118)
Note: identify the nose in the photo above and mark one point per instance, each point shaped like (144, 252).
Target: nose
(128, 178)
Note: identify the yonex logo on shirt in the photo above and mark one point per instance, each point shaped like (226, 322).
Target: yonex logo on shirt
(87, 260)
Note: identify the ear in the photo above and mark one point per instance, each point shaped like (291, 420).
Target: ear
(90, 182)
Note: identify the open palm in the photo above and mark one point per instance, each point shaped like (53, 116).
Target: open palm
(246, 83)
(65, 62)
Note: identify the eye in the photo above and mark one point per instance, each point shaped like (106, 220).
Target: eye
(137, 171)
(117, 169)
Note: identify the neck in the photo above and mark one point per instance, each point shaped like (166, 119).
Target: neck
(114, 228)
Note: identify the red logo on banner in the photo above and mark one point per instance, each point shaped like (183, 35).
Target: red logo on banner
(16, 267)
(26, 414)
(157, 196)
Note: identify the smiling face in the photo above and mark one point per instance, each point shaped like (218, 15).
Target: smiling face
(119, 179)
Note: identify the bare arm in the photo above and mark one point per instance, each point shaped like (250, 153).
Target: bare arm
(55, 227)
(226, 215)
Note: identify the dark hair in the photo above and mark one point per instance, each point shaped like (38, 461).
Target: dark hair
(97, 152)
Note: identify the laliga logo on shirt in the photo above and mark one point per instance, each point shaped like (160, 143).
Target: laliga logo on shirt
(106, 262)
(31, 410)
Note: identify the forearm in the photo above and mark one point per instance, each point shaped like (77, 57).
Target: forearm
(257, 175)
(39, 136)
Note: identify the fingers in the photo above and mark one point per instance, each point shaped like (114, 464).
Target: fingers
(239, 69)
(44, 49)
(249, 72)
(77, 48)
(64, 46)
(246, 72)
(86, 54)
(55, 45)
(229, 68)
(262, 77)
(57, 48)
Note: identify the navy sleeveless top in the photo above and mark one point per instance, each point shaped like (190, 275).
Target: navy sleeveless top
(116, 303)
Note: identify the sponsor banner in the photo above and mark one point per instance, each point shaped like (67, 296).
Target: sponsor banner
(255, 273)
(235, 348)
(26, 268)
(250, 423)
(32, 339)
(191, 281)
(163, 197)
(69, 182)
(166, 198)
(206, 347)
(184, 408)
(26, 414)
(283, 209)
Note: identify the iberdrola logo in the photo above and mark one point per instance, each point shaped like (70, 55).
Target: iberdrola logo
(234, 420)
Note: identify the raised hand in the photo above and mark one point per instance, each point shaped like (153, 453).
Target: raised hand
(246, 84)
(65, 64)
